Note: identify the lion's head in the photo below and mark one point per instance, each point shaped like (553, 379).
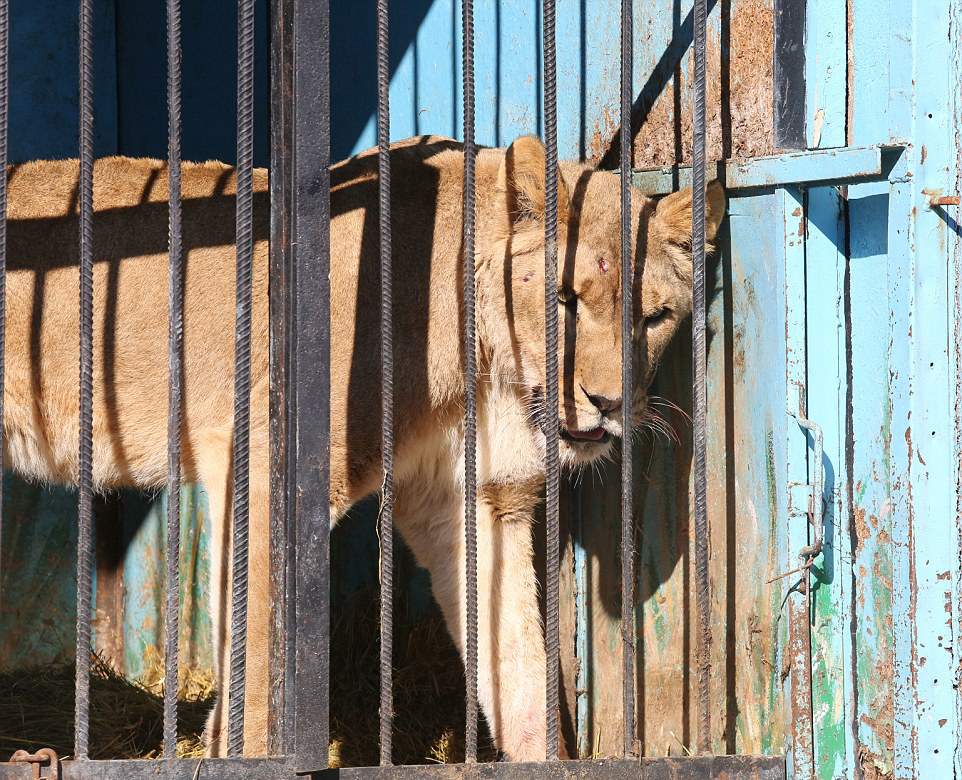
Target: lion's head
(588, 300)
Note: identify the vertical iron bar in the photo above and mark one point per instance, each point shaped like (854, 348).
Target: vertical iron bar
(387, 383)
(307, 392)
(470, 398)
(85, 455)
(4, 99)
(550, 413)
(283, 632)
(242, 371)
(175, 373)
(627, 393)
(700, 392)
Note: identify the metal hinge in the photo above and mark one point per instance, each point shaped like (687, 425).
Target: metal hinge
(38, 759)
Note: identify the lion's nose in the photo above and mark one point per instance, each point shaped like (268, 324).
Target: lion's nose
(603, 403)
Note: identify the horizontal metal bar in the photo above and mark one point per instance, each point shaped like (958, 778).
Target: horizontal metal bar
(167, 768)
(686, 768)
(848, 165)
(694, 768)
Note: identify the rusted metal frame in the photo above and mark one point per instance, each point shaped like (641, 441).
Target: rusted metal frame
(386, 514)
(789, 74)
(168, 768)
(791, 208)
(627, 394)
(823, 167)
(470, 394)
(283, 529)
(85, 454)
(549, 420)
(699, 389)
(686, 768)
(175, 370)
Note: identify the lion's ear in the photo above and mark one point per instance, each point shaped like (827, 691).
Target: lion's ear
(671, 225)
(674, 214)
(521, 183)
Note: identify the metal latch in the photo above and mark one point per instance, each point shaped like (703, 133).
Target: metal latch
(807, 498)
(42, 756)
(815, 502)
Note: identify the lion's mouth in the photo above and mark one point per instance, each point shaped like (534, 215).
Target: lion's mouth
(594, 435)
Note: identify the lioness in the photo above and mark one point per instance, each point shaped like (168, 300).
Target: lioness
(130, 365)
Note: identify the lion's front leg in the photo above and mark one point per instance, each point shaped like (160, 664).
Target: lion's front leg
(215, 472)
(511, 654)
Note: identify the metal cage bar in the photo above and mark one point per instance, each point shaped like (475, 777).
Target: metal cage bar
(550, 412)
(470, 395)
(85, 453)
(699, 389)
(4, 101)
(387, 383)
(175, 376)
(627, 393)
(305, 179)
(242, 374)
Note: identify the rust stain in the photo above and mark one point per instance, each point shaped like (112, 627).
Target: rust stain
(602, 136)
(922, 160)
(862, 531)
(869, 763)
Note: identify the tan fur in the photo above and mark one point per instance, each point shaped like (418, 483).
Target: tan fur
(130, 365)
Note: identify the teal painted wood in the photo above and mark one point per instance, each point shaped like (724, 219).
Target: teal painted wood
(826, 390)
(37, 620)
(144, 573)
(933, 473)
(799, 471)
(37, 580)
(954, 244)
(825, 78)
(747, 466)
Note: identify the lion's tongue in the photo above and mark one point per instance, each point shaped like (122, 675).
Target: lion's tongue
(593, 435)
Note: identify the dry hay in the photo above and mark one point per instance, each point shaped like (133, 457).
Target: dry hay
(126, 717)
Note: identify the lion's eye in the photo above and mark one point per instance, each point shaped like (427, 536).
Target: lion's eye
(656, 316)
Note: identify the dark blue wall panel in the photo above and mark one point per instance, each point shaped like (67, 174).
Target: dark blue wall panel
(44, 81)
